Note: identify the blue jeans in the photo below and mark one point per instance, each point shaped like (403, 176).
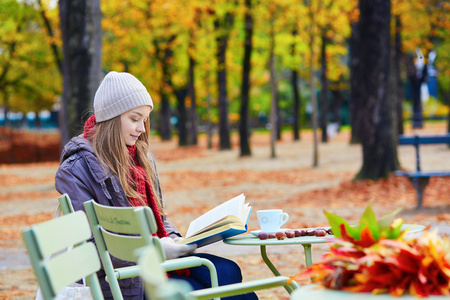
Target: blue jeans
(227, 272)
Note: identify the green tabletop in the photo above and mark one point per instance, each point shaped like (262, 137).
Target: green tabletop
(315, 292)
(249, 239)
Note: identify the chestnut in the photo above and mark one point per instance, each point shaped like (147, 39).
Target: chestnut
(280, 235)
(297, 233)
(289, 233)
(311, 232)
(329, 231)
(321, 232)
(272, 235)
(263, 235)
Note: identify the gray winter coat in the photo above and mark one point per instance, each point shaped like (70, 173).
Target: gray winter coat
(82, 177)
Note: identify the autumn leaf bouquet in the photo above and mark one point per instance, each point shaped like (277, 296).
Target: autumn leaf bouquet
(376, 256)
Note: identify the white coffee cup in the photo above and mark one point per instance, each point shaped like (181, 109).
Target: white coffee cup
(270, 220)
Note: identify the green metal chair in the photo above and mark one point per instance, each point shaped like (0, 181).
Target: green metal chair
(65, 204)
(60, 255)
(120, 231)
(159, 287)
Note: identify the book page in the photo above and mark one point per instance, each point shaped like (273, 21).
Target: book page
(214, 235)
(233, 206)
(246, 213)
(224, 221)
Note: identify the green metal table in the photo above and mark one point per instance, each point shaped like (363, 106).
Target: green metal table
(316, 292)
(249, 239)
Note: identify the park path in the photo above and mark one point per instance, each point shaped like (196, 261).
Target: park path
(195, 179)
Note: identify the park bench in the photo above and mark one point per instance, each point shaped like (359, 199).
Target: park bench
(420, 178)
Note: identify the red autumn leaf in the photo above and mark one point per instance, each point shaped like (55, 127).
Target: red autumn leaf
(405, 261)
(366, 238)
(381, 273)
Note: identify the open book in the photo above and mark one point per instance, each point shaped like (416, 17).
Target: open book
(228, 219)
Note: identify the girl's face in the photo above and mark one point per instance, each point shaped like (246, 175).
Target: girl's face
(132, 123)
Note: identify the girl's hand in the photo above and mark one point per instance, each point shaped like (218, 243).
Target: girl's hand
(172, 250)
(176, 238)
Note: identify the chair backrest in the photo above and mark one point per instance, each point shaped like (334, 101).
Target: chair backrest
(60, 255)
(65, 204)
(157, 285)
(120, 231)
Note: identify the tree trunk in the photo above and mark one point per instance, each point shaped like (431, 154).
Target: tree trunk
(273, 107)
(222, 42)
(379, 142)
(324, 91)
(336, 106)
(445, 94)
(166, 84)
(279, 118)
(182, 117)
(297, 99)
(448, 122)
(51, 34)
(295, 90)
(193, 130)
(165, 113)
(355, 84)
(209, 129)
(273, 91)
(81, 36)
(312, 84)
(244, 132)
(37, 120)
(192, 115)
(297, 105)
(397, 74)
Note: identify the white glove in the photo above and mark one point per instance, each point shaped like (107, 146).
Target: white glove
(176, 238)
(173, 250)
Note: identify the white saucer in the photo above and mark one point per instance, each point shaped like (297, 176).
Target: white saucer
(256, 232)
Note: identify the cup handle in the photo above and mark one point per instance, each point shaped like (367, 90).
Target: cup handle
(284, 217)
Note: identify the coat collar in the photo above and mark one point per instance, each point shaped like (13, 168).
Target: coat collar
(83, 147)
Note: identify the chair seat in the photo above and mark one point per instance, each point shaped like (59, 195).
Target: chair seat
(159, 287)
(239, 288)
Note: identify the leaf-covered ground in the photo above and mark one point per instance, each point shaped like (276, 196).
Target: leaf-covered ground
(195, 179)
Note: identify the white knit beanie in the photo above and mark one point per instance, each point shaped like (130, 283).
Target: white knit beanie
(118, 93)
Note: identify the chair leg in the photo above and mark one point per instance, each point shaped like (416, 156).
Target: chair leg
(419, 184)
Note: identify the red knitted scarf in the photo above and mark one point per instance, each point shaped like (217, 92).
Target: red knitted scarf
(142, 183)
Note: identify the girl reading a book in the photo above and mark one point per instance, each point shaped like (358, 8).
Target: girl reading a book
(110, 163)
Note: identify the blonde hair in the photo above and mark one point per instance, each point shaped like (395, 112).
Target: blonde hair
(110, 148)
